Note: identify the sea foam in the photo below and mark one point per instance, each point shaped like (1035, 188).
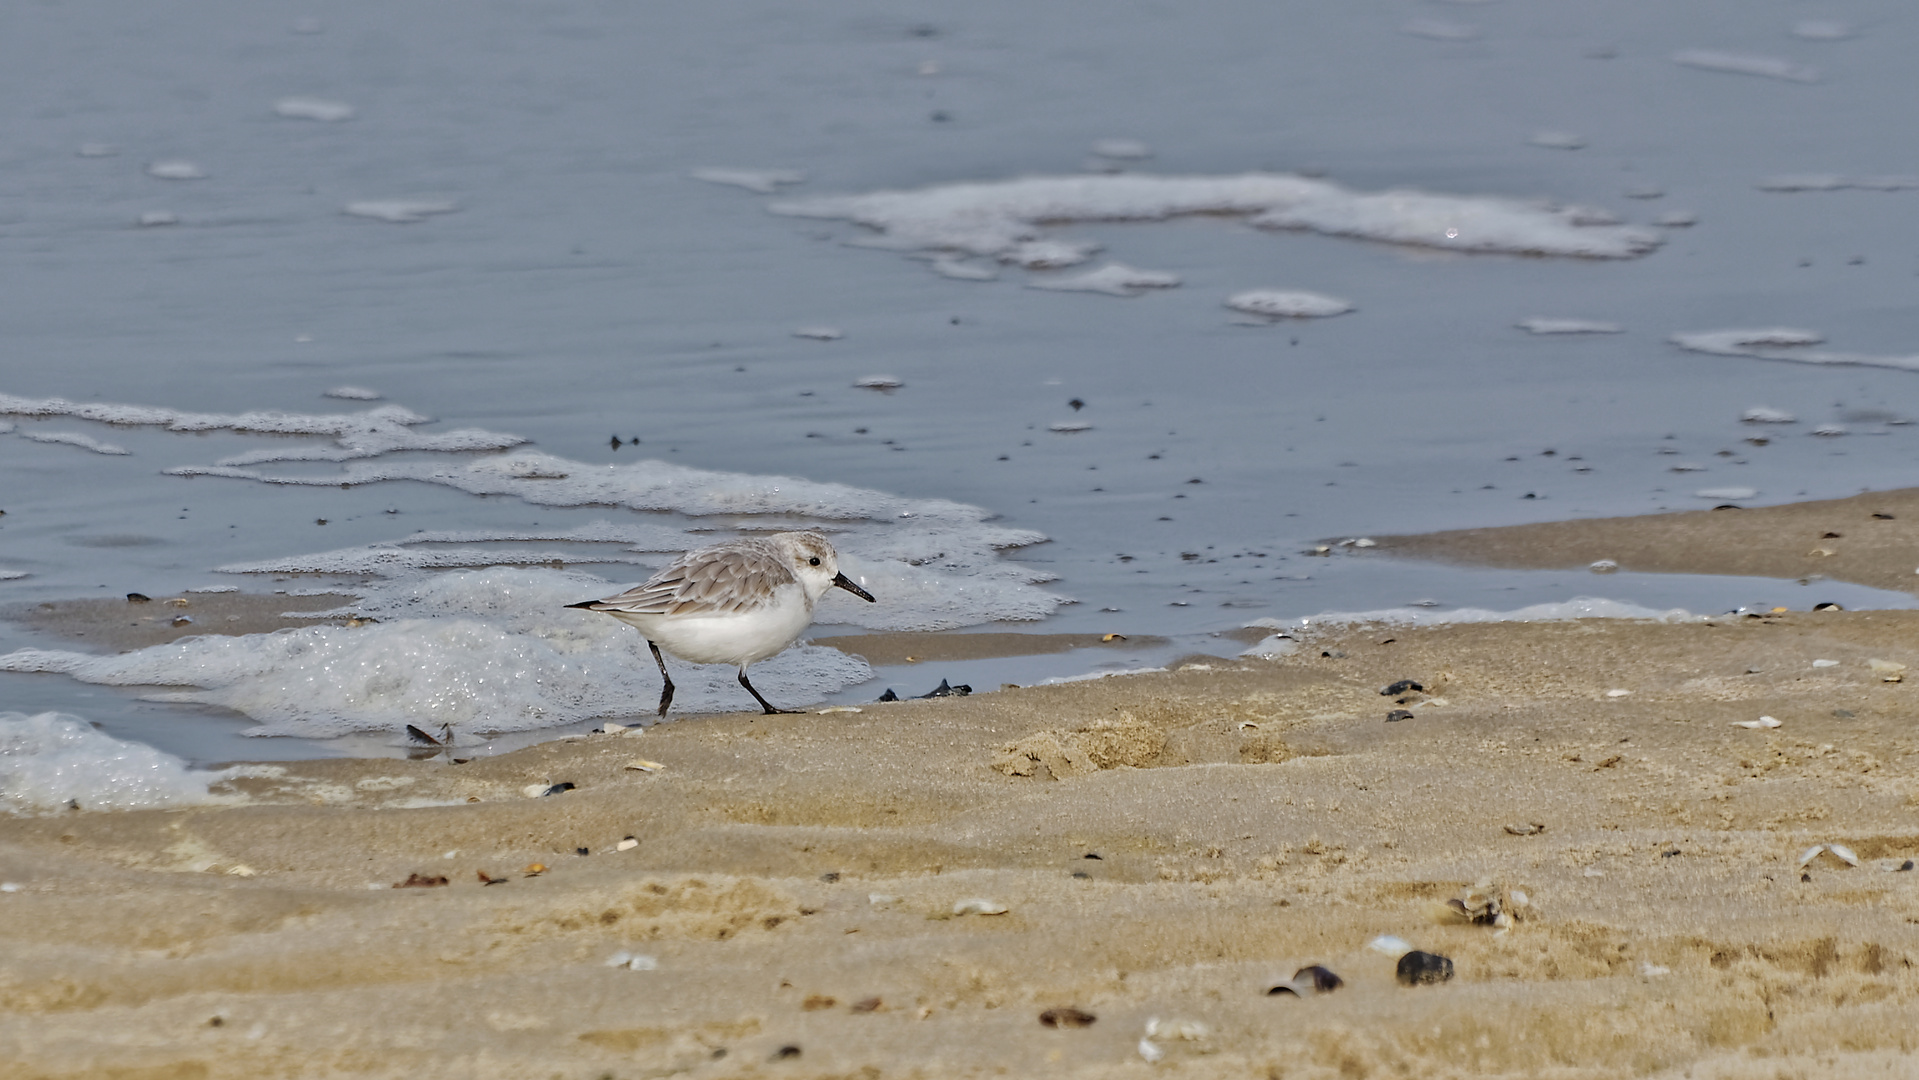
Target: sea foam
(1003, 219)
(54, 761)
(483, 651)
(1784, 343)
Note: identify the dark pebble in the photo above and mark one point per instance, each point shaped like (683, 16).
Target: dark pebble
(1423, 968)
(1066, 1018)
(1312, 979)
(1397, 715)
(946, 690)
(787, 1051)
(1401, 687)
(138, 597)
(888, 696)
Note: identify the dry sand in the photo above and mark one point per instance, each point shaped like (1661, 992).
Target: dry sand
(1166, 845)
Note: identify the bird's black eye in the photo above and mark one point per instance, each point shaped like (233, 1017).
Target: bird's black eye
(814, 561)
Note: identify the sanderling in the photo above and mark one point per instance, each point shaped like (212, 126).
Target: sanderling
(732, 603)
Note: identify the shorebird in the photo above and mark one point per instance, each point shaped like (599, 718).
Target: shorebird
(731, 603)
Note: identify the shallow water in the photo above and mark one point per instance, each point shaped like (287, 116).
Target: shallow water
(505, 234)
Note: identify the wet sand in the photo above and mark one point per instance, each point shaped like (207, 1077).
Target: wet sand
(1870, 539)
(120, 624)
(1165, 845)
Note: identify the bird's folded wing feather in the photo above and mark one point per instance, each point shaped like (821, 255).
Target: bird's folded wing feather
(715, 581)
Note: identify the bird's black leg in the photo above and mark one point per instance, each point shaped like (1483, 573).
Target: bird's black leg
(666, 690)
(770, 710)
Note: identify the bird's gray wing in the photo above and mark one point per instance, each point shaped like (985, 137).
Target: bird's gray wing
(717, 580)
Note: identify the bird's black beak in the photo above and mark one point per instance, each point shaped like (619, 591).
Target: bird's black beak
(846, 583)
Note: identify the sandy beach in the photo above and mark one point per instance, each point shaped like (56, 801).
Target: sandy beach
(916, 888)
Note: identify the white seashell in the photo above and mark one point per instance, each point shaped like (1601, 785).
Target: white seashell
(1887, 670)
(1619, 693)
(1825, 663)
(632, 961)
(1650, 969)
(1838, 851)
(611, 728)
(533, 791)
(1150, 1051)
(979, 906)
(1762, 722)
(838, 709)
(881, 900)
(643, 765)
(14, 886)
(1390, 946)
(1603, 566)
(627, 844)
(1069, 427)
(1184, 1030)
(243, 870)
(878, 382)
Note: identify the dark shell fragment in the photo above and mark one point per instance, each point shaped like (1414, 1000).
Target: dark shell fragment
(1401, 687)
(1066, 1018)
(1423, 969)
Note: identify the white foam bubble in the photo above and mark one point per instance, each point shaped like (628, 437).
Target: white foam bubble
(1568, 326)
(1006, 219)
(378, 560)
(878, 382)
(75, 438)
(377, 431)
(1821, 30)
(1676, 219)
(176, 170)
(1724, 493)
(760, 181)
(1762, 414)
(485, 651)
(307, 108)
(1113, 279)
(13, 575)
(1836, 182)
(49, 761)
(1784, 343)
(1579, 607)
(962, 270)
(353, 393)
(399, 211)
(1288, 304)
(1439, 30)
(1122, 149)
(1557, 140)
(1734, 63)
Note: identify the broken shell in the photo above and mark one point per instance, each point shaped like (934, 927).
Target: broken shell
(1893, 866)
(881, 900)
(627, 844)
(1066, 1018)
(979, 906)
(867, 1005)
(837, 709)
(1838, 851)
(1150, 1051)
(1389, 946)
(1825, 663)
(1651, 970)
(1183, 1030)
(632, 961)
(1762, 722)
(534, 869)
(1603, 566)
(183, 620)
(1401, 687)
(1529, 829)
(1887, 670)
(1312, 979)
(643, 765)
(241, 870)
(420, 881)
(1397, 715)
(536, 791)
(1112, 637)
(488, 879)
(1423, 969)
(1618, 693)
